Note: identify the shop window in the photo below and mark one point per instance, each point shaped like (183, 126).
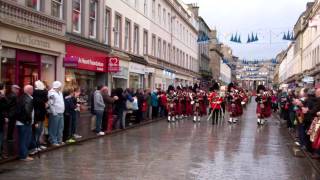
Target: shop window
(135, 81)
(48, 68)
(34, 4)
(8, 65)
(93, 18)
(76, 16)
(56, 8)
(85, 81)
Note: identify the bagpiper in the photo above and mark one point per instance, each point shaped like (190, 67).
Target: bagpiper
(234, 103)
(196, 101)
(178, 99)
(188, 97)
(215, 103)
(263, 100)
(171, 105)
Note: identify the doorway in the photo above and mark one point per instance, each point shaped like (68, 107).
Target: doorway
(28, 73)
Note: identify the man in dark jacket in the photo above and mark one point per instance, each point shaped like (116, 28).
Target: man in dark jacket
(12, 99)
(40, 102)
(3, 109)
(25, 114)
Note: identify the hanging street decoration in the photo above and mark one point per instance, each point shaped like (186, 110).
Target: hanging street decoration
(236, 38)
(288, 36)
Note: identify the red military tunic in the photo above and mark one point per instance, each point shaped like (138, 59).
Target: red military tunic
(215, 100)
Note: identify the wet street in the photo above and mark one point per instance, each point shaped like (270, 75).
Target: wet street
(183, 150)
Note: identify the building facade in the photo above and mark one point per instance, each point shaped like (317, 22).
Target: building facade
(31, 48)
(302, 57)
(160, 39)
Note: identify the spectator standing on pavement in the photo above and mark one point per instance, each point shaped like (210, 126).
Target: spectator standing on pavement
(3, 109)
(79, 101)
(155, 103)
(107, 121)
(25, 114)
(99, 107)
(57, 107)
(40, 102)
(119, 108)
(69, 113)
(12, 92)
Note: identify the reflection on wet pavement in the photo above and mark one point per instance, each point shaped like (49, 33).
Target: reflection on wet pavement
(183, 150)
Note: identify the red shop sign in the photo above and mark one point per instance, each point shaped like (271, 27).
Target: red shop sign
(86, 59)
(113, 64)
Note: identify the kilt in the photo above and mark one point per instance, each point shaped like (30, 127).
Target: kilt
(178, 109)
(264, 111)
(188, 108)
(233, 110)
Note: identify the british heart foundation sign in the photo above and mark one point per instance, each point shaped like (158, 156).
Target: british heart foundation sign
(113, 64)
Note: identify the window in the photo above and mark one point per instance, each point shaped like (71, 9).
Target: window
(159, 13)
(56, 8)
(187, 60)
(164, 54)
(145, 42)
(34, 4)
(136, 40)
(169, 21)
(154, 9)
(76, 16)
(93, 18)
(107, 26)
(153, 45)
(159, 48)
(145, 5)
(117, 31)
(177, 58)
(164, 17)
(127, 35)
(169, 53)
(173, 55)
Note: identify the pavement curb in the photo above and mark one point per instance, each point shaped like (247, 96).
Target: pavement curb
(11, 159)
(307, 154)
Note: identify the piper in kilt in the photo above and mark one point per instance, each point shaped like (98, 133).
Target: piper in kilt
(171, 105)
(263, 100)
(234, 103)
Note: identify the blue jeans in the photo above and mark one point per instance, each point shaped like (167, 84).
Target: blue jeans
(302, 135)
(99, 116)
(56, 125)
(25, 133)
(36, 136)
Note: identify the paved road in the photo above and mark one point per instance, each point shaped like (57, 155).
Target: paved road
(179, 151)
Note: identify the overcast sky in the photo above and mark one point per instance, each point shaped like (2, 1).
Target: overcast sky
(268, 18)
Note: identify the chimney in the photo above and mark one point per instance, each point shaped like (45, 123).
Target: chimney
(194, 8)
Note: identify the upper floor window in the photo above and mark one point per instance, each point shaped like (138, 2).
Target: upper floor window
(34, 4)
(136, 39)
(136, 3)
(76, 15)
(164, 16)
(169, 21)
(153, 45)
(145, 7)
(117, 31)
(127, 37)
(107, 27)
(159, 13)
(93, 18)
(159, 48)
(145, 42)
(56, 8)
(153, 9)
(164, 54)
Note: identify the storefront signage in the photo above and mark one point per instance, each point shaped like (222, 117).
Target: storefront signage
(137, 68)
(32, 41)
(149, 70)
(308, 79)
(123, 73)
(97, 64)
(113, 64)
(85, 59)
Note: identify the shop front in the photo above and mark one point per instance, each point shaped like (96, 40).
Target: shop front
(136, 75)
(120, 79)
(84, 69)
(26, 58)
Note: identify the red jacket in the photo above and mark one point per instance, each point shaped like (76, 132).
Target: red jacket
(215, 100)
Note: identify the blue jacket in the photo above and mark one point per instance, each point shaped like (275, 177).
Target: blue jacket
(154, 100)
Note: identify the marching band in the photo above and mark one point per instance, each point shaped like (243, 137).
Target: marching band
(196, 102)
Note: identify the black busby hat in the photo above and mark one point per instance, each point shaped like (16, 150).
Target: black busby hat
(260, 87)
(231, 85)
